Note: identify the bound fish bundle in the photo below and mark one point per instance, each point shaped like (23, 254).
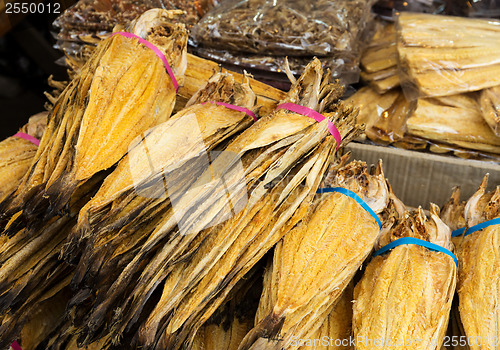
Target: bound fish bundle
(123, 90)
(404, 297)
(132, 205)
(197, 277)
(275, 205)
(87, 133)
(479, 263)
(17, 152)
(316, 260)
(444, 55)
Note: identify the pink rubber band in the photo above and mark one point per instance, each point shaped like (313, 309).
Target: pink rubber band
(311, 113)
(15, 346)
(30, 138)
(157, 53)
(236, 108)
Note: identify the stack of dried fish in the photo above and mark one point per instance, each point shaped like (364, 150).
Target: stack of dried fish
(316, 260)
(404, 297)
(456, 120)
(16, 154)
(479, 263)
(283, 157)
(379, 62)
(444, 55)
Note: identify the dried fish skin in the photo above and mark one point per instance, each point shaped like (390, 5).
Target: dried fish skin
(478, 277)
(489, 100)
(336, 230)
(406, 294)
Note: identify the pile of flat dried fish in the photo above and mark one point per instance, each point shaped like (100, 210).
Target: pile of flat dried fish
(404, 297)
(444, 55)
(270, 173)
(316, 260)
(379, 62)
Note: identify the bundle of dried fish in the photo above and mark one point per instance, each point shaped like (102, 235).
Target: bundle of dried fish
(404, 297)
(132, 201)
(456, 120)
(489, 100)
(379, 60)
(17, 152)
(282, 159)
(479, 263)
(464, 57)
(122, 91)
(316, 260)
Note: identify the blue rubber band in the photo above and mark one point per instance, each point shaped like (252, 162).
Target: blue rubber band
(457, 232)
(416, 241)
(354, 196)
(482, 225)
(475, 228)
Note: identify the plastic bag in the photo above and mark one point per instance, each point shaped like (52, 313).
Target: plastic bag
(474, 8)
(445, 55)
(285, 27)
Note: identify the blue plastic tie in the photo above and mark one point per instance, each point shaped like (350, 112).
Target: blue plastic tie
(354, 196)
(475, 228)
(416, 241)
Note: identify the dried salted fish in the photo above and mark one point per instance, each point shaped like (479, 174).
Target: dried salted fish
(455, 120)
(404, 297)
(464, 57)
(316, 260)
(130, 215)
(98, 114)
(16, 154)
(489, 100)
(282, 144)
(478, 275)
